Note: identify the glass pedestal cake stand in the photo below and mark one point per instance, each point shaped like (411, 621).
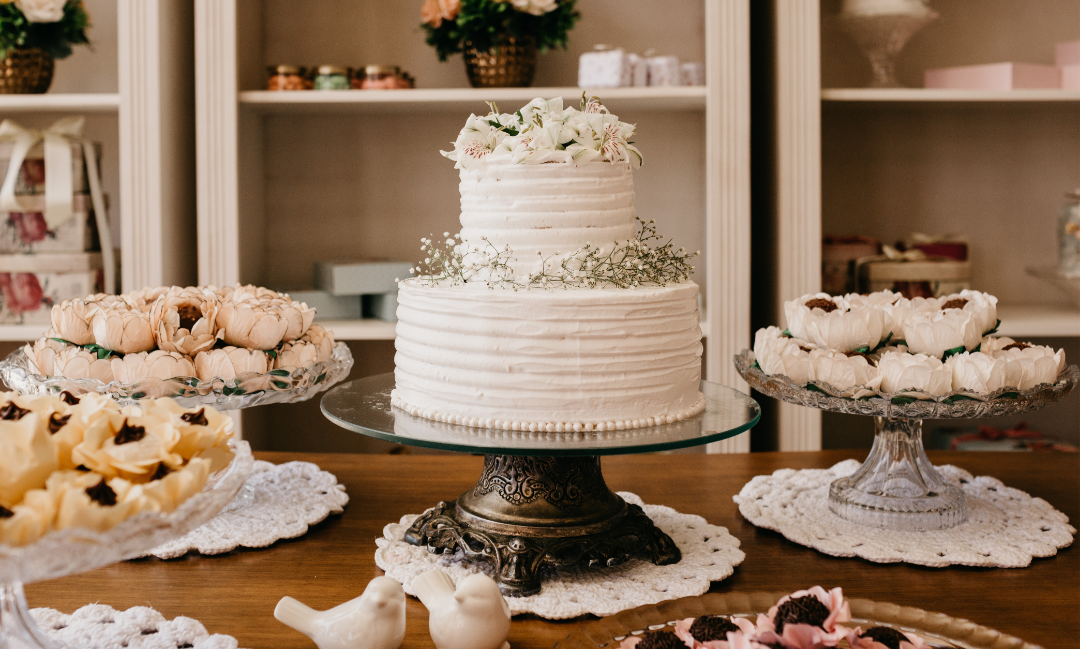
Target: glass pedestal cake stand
(541, 501)
(897, 487)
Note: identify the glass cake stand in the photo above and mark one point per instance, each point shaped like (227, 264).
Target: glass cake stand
(897, 487)
(541, 501)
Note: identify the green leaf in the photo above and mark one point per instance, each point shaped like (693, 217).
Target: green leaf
(272, 353)
(959, 397)
(977, 347)
(786, 333)
(952, 352)
(279, 372)
(995, 329)
(755, 365)
(814, 388)
(139, 395)
(320, 379)
(885, 342)
(281, 385)
(1009, 395)
(902, 401)
(863, 350)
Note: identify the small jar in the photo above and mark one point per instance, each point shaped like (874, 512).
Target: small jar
(379, 77)
(286, 77)
(332, 77)
(1069, 235)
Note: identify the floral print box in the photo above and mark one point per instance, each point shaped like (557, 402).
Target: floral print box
(27, 232)
(31, 284)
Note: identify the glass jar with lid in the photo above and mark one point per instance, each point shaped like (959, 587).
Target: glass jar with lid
(286, 77)
(379, 77)
(332, 77)
(1069, 235)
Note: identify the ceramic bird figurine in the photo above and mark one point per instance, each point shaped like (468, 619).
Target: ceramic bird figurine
(375, 620)
(475, 616)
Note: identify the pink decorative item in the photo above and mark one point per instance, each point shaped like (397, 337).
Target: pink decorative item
(663, 70)
(692, 74)
(1070, 77)
(995, 76)
(31, 284)
(639, 73)
(1067, 53)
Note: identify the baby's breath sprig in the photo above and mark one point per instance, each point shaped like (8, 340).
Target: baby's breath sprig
(628, 265)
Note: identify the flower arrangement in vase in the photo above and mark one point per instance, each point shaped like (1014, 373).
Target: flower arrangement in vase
(33, 33)
(499, 38)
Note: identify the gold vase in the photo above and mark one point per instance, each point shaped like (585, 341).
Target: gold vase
(25, 71)
(510, 63)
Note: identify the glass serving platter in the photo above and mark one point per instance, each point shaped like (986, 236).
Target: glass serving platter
(244, 391)
(72, 551)
(936, 629)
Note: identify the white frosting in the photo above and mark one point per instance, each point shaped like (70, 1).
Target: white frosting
(577, 359)
(547, 208)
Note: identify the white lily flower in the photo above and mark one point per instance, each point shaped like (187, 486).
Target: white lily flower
(251, 325)
(77, 363)
(842, 371)
(981, 306)
(475, 141)
(226, 363)
(185, 321)
(535, 7)
(982, 373)
(158, 364)
(122, 330)
(48, 11)
(322, 339)
(831, 323)
(1037, 364)
(778, 354)
(936, 332)
(918, 372)
(73, 321)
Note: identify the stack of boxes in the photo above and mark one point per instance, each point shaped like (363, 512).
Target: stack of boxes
(1064, 74)
(40, 266)
(353, 290)
(614, 68)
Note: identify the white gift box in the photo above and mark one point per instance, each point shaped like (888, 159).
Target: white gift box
(360, 278)
(26, 232)
(692, 74)
(995, 76)
(1070, 77)
(1067, 53)
(31, 179)
(604, 69)
(663, 70)
(639, 71)
(31, 284)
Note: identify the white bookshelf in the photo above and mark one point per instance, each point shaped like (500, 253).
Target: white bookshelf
(136, 88)
(288, 178)
(991, 165)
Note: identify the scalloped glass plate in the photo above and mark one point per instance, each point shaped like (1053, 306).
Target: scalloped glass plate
(907, 405)
(72, 551)
(244, 391)
(937, 629)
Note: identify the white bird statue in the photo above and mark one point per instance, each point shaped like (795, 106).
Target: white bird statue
(475, 616)
(375, 620)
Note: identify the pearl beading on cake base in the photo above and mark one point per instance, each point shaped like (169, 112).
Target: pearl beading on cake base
(548, 426)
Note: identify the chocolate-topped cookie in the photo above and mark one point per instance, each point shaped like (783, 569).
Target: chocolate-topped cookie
(712, 627)
(801, 610)
(660, 640)
(889, 637)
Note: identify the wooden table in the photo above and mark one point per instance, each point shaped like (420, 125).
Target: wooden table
(235, 594)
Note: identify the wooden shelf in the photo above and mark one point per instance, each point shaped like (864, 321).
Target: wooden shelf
(60, 102)
(1039, 320)
(936, 95)
(428, 99)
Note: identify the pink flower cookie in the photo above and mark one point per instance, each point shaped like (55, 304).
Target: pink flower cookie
(715, 632)
(806, 619)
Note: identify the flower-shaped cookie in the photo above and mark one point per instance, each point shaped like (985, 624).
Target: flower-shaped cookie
(27, 456)
(128, 446)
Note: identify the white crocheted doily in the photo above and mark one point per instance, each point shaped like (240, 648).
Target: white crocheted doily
(1005, 527)
(709, 554)
(279, 501)
(100, 627)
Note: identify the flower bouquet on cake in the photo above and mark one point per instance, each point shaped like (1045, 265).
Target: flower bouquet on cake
(234, 347)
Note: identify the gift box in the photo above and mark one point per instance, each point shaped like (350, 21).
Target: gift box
(31, 178)
(605, 68)
(27, 232)
(948, 245)
(360, 278)
(327, 305)
(995, 76)
(692, 74)
(1067, 53)
(1070, 77)
(31, 284)
(663, 70)
(381, 307)
(639, 71)
(838, 257)
(913, 276)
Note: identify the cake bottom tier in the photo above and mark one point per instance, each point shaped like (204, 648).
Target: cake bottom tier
(558, 360)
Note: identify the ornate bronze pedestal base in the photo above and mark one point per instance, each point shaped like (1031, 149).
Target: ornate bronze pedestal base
(530, 514)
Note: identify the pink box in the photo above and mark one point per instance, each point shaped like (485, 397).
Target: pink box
(1067, 53)
(1070, 77)
(995, 76)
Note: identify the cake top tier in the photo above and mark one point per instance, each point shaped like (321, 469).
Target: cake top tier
(543, 131)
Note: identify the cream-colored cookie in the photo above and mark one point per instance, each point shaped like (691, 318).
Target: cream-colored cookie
(27, 455)
(29, 520)
(130, 447)
(171, 488)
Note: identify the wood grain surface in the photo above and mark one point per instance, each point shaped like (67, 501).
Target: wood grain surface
(235, 594)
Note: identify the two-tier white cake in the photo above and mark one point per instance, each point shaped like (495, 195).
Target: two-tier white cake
(549, 312)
